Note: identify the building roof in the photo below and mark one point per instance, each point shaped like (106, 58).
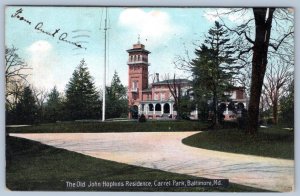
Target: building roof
(138, 50)
(171, 81)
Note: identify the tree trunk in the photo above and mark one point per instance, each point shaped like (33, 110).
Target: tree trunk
(215, 122)
(275, 112)
(263, 22)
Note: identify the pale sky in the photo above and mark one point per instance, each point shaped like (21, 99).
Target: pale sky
(165, 32)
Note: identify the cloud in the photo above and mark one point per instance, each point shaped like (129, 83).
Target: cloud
(155, 26)
(42, 60)
(40, 51)
(40, 46)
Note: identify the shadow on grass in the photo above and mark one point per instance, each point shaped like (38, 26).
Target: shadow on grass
(269, 142)
(34, 166)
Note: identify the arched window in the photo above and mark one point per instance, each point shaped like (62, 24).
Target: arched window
(240, 106)
(167, 108)
(150, 107)
(158, 107)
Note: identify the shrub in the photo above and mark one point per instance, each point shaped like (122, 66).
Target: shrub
(185, 116)
(269, 121)
(142, 118)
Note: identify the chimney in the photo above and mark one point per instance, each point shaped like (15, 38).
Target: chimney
(157, 77)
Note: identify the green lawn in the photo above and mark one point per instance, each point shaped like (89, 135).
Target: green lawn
(269, 142)
(127, 126)
(34, 166)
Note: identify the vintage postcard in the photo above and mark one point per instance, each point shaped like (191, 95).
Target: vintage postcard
(147, 99)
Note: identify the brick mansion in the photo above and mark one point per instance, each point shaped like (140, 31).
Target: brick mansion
(155, 100)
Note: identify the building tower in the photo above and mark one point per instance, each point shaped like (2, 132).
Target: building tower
(137, 76)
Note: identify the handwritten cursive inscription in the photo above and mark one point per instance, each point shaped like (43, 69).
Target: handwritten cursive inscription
(18, 16)
(40, 28)
(63, 37)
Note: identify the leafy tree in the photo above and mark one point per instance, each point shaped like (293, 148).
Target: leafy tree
(117, 90)
(116, 101)
(287, 106)
(26, 108)
(14, 93)
(54, 106)
(213, 67)
(186, 106)
(203, 108)
(82, 99)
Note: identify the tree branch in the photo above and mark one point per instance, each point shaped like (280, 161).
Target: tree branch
(275, 47)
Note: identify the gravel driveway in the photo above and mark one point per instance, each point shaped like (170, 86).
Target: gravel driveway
(164, 151)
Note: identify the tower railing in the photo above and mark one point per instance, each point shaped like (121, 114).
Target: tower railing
(136, 62)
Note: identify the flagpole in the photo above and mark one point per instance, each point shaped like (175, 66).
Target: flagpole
(104, 72)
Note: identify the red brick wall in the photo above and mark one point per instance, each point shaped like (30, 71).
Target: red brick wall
(239, 94)
(137, 72)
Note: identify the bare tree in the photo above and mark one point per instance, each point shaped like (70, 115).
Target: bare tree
(183, 62)
(277, 78)
(40, 96)
(175, 88)
(14, 91)
(15, 66)
(15, 75)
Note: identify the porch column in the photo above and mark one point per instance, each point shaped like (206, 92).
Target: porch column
(226, 108)
(139, 109)
(162, 108)
(154, 115)
(196, 113)
(146, 109)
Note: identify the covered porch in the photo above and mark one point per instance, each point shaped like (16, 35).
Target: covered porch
(157, 109)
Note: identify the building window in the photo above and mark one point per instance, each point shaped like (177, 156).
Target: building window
(233, 95)
(156, 96)
(151, 107)
(158, 107)
(162, 96)
(134, 85)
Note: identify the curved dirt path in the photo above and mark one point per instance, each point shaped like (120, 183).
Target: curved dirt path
(164, 151)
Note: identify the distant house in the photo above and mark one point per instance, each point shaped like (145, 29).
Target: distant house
(237, 96)
(155, 100)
